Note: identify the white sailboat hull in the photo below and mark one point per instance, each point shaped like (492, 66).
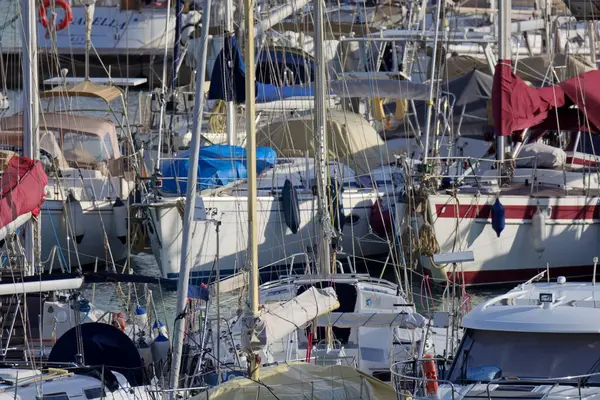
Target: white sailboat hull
(101, 240)
(115, 29)
(276, 241)
(99, 243)
(572, 232)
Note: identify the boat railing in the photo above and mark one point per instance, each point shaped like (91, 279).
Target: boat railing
(470, 165)
(414, 384)
(580, 380)
(419, 383)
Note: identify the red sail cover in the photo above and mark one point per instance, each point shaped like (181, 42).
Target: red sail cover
(516, 106)
(21, 189)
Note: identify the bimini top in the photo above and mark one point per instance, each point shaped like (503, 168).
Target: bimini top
(350, 139)
(556, 307)
(83, 139)
(84, 89)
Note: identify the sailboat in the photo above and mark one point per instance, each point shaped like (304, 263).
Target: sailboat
(130, 34)
(90, 164)
(360, 175)
(268, 331)
(36, 318)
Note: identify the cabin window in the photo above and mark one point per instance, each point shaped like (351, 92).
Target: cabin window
(486, 355)
(83, 148)
(94, 393)
(589, 144)
(108, 145)
(53, 396)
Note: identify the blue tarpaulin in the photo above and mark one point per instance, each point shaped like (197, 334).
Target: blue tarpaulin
(228, 79)
(218, 165)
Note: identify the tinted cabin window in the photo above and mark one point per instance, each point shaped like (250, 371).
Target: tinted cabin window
(527, 355)
(589, 144)
(108, 145)
(53, 396)
(93, 393)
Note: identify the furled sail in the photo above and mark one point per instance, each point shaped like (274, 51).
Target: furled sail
(278, 320)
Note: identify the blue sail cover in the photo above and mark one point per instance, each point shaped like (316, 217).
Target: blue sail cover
(228, 79)
(218, 165)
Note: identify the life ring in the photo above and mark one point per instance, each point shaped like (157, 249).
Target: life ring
(430, 371)
(68, 18)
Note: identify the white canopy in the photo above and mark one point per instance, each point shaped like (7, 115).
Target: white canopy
(281, 319)
(372, 320)
(350, 139)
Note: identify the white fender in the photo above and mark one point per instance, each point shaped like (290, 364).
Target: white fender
(159, 328)
(120, 220)
(145, 351)
(141, 317)
(73, 223)
(538, 230)
(160, 348)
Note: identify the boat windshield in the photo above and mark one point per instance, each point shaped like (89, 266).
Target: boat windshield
(85, 148)
(488, 355)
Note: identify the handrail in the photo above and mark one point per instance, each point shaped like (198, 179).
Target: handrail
(469, 173)
(394, 371)
(555, 381)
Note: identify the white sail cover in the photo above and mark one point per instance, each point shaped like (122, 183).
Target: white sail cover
(12, 226)
(40, 286)
(231, 283)
(384, 88)
(281, 319)
(404, 320)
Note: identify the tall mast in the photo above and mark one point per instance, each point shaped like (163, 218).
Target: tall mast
(432, 82)
(90, 7)
(320, 139)
(231, 114)
(161, 115)
(504, 56)
(177, 47)
(30, 116)
(190, 204)
(251, 168)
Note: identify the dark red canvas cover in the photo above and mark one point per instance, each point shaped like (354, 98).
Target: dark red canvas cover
(21, 189)
(517, 106)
